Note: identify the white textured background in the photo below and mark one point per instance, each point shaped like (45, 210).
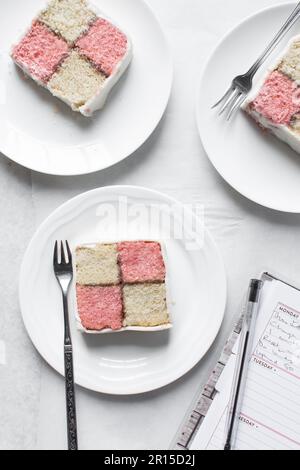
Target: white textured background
(251, 238)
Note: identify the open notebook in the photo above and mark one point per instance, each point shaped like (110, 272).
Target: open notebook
(270, 418)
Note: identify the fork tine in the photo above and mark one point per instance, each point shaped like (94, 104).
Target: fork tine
(55, 255)
(225, 97)
(69, 252)
(63, 256)
(236, 106)
(229, 101)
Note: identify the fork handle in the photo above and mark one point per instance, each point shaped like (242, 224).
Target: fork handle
(281, 33)
(70, 399)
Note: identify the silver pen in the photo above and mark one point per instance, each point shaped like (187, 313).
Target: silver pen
(242, 364)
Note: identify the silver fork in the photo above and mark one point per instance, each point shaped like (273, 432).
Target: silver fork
(63, 269)
(242, 84)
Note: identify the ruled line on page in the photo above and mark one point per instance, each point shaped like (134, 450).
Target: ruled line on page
(271, 395)
(248, 441)
(280, 393)
(271, 420)
(261, 395)
(270, 381)
(273, 430)
(254, 406)
(275, 440)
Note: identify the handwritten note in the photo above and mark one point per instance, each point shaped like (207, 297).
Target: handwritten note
(280, 342)
(270, 418)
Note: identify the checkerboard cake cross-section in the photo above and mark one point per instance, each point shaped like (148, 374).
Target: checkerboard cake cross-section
(121, 285)
(77, 54)
(275, 102)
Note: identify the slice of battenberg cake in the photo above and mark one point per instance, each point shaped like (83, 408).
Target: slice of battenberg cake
(74, 52)
(276, 103)
(121, 286)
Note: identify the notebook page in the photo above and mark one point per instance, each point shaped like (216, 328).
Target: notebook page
(270, 418)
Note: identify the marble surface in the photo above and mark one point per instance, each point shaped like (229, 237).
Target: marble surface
(251, 239)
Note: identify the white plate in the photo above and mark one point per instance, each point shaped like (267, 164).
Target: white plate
(256, 164)
(126, 363)
(43, 134)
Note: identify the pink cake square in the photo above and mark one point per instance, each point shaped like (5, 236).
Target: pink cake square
(100, 307)
(141, 262)
(104, 44)
(40, 52)
(276, 99)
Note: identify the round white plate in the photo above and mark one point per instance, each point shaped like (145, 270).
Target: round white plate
(43, 134)
(254, 163)
(127, 363)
